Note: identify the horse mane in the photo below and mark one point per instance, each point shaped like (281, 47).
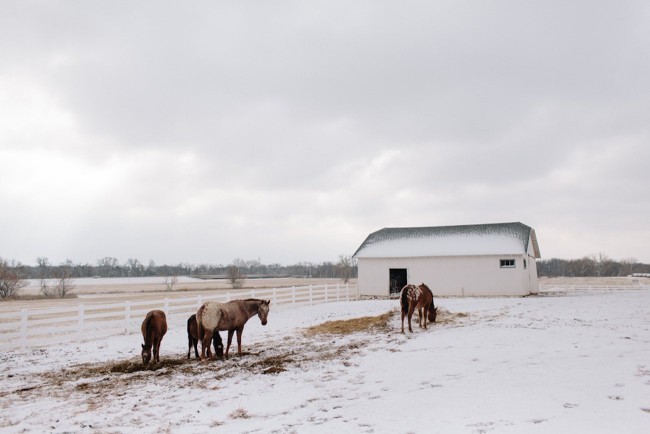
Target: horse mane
(148, 328)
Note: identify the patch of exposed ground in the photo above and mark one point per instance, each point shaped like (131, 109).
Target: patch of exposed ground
(317, 344)
(343, 327)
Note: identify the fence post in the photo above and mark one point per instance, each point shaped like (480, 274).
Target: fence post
(347, 292)
(275, 296)
(127, 317)
(293, 295)
(311, 295)
(252, 293)
(199, 302)
(326, 290)
(227, 296)
(23, 327)
(80, 326)
(166, 306)
(338, 292)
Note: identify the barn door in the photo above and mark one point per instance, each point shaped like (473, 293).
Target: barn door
(397, 280)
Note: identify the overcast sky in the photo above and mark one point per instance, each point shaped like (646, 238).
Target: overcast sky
(284, 131)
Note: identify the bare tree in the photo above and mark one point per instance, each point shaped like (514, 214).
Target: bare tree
(134, 267)
(235, 275)
(627, 266)
(170, 282)
(10, 279)
(64, 282)
(43, 274)
(107, 266)
(151, 268)
(345, 267)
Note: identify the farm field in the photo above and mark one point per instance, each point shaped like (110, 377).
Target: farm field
(108, 290)
(563, 361)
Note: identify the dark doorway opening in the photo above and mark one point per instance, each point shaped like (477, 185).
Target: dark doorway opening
(397, 280)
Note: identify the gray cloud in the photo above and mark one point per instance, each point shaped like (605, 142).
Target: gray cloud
(289, 131)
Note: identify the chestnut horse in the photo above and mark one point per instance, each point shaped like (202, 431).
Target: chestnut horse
(421, 298)
(153, 329)
(193, 339)
(232, 316)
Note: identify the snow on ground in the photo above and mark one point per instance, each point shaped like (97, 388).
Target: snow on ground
(561, 362)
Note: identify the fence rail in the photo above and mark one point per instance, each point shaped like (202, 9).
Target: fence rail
(33, 327)
(550, 287)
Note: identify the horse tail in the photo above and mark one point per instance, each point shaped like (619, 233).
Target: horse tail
(404, 302)
(199, 323)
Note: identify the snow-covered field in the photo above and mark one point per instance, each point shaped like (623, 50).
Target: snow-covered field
(560, 362)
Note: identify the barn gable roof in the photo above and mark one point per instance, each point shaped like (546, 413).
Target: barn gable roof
(482, 239)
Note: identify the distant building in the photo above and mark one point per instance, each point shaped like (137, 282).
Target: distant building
(468, 260)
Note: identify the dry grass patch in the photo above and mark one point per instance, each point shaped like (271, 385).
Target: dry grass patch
(240, 413)
(273, 364)
(446, 317)
(348, 326)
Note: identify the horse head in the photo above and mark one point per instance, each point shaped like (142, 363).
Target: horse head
(263, 310)
(146, 354)
(218, 348)
(433, 313)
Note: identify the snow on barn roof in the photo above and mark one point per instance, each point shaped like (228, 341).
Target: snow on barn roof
(484, 239)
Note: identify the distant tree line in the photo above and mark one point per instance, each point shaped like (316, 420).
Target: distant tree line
(591, 266)
(111, 267)
(58, 280)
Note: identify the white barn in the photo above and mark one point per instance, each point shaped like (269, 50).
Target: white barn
(468, 260)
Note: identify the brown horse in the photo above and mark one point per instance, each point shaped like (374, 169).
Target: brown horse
(153, 329)
(232, 316)
(193, 339)
(421, 298)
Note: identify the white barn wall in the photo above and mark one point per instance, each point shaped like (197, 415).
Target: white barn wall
(531, 278)
(452, 275)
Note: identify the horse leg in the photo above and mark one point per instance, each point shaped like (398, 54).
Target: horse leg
(239, 332)
(230, 333)
(155, 350)
(410, 316)
(205, 343)
(195, 342)
(402, 311)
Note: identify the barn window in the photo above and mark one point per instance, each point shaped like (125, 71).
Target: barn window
(507, 263)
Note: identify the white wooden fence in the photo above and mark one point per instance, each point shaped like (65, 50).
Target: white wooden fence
(547, 287)
(34, 327)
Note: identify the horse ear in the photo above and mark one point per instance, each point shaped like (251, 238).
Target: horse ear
(142, 346)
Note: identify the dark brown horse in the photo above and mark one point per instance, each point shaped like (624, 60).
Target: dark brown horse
(153, 329)
(421, 298)
(232, 316)
(193, 339)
